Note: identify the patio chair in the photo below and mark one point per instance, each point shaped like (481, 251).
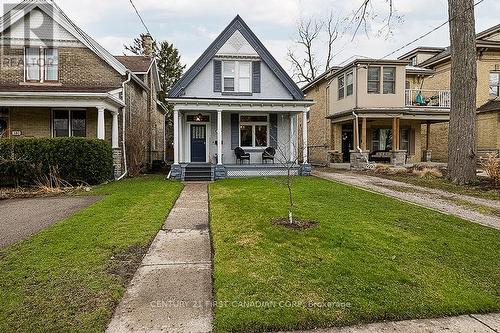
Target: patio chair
(241, 155)
(268, 154)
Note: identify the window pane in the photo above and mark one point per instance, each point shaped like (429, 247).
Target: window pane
(373, 87)
(61, 124)
(341, 87)
(389, 87)
(78, 124)
(246, 136)
(260, 136)
(494, 84)
(244, 69)
(244, 85)
(51, 64)
(405, 139)
(374, 73)
(389, 73)
(228, 84)
(32, 65)
(229, 68)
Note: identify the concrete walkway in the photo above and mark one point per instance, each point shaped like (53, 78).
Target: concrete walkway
(489, 323)
(449, 203)
(172, 290)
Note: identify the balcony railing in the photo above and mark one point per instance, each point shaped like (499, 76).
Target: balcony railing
(428, 98)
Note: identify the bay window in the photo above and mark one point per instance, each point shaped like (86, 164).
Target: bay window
(66, 123)
(237, 76)
(254, 131)
(41, 64)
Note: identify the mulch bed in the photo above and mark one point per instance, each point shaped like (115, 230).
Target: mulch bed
(296, 225)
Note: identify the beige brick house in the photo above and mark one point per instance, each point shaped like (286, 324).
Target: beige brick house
(56, 81)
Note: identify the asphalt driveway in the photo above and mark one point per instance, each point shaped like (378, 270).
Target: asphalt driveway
(21, 218)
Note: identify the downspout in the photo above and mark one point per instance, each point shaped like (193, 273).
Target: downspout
(124, 147)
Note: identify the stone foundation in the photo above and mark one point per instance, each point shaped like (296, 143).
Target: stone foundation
(117, 162)
(305, 170)
(176, 172)
(398, 157)
(220, 172)
(359, 159)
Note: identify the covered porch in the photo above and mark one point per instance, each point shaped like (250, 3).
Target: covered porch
(230, 138)
(383, 136)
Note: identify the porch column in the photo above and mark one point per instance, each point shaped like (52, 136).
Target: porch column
(355, 132)
(305, 156)
(292, 138)
(395, 133)
(363, 135)
(101, 129)
(219, 137)
(428, 136)
(176, 136)
(114, 131)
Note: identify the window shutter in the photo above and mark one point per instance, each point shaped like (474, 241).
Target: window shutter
(217, 76)
(235, 130)
(273, 119)
(256, 77)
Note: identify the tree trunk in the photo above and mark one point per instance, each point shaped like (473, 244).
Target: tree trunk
(462, 130)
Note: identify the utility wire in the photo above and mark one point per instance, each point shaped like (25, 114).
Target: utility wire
(140, 17)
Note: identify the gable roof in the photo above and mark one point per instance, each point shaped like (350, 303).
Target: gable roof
(54, 12)
(237, 24)
(136, 64)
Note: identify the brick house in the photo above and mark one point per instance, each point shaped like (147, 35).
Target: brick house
(56, 81)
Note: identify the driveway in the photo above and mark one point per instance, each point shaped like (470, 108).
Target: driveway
(21, 218)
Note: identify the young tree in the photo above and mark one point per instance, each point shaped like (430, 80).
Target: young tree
(311, 35)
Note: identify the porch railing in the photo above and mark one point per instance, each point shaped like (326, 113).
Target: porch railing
(428, 98)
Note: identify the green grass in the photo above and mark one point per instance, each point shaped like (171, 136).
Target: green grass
(379, 258)
(70, 276)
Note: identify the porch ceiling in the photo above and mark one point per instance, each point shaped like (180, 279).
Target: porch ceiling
(435, 115)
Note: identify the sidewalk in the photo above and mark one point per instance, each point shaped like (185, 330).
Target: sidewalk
(489, 323)
(172, 289)
(462, 206)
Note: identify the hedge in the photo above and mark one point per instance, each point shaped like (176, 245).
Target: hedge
(77, 160)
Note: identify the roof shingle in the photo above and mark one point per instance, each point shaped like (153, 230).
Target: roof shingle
(136, 64)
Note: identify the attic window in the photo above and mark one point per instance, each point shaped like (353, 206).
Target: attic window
(237, 76)
(41, 64)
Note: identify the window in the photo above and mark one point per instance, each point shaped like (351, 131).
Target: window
(254, 131)
(389, 80)
(350, 83)
(382, 139)
(405, 139)
(69, 123)
(374, 80)
(41, 64)
(494, 84)
(237, 76)
(341, 86)
(414, 61)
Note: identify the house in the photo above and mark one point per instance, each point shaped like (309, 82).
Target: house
(438, 60)
(236, 95)
(56, 81)
(374, 112)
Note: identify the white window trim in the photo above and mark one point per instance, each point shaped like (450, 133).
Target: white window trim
(70, 130)
(236, 76)
(253, 124)
(42, 68)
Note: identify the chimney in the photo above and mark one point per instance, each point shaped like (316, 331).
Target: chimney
(147, 45)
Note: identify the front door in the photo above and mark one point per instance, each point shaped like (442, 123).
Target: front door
(347, 143)
(198, 143)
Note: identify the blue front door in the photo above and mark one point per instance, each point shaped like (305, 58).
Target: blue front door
(198, 143)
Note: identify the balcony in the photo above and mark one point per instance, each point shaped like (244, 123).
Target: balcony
(428, 98)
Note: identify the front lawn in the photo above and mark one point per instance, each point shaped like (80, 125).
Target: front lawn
(70, 276)
(370, 258)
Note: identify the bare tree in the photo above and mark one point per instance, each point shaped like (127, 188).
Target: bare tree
(310, 32)
(366, 13)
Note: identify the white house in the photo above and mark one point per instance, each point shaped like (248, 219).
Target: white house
(236, 95)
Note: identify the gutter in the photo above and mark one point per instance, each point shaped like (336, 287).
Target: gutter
(124, 147)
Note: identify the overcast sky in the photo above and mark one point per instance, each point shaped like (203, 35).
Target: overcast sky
(192, 24)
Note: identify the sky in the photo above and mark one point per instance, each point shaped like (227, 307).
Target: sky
(191, 25)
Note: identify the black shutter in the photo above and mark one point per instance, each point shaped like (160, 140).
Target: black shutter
(273, 119)
(217, 76)
(256, 77)
(235, 130)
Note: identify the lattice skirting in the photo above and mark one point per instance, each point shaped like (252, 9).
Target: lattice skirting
(235, 172)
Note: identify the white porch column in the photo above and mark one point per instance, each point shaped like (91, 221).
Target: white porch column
(181, 156)
(292, 138)
(176, 136)
(114, 131)
(101, 129)
(219, 137)
(305, 156)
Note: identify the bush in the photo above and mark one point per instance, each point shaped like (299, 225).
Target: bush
(491, 165)
(78, 160)
(428, 172)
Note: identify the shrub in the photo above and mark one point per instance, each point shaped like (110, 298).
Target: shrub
(78, 160)
(491, 165)
(427, 172)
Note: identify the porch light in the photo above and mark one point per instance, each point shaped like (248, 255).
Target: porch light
(199, 117)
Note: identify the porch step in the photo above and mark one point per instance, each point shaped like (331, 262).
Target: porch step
(198, 172)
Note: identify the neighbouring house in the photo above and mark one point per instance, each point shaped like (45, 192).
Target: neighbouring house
(56, 81)
(488, 90)
(232, 104)
(374, 111)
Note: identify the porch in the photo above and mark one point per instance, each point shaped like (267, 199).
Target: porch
(207, 133)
